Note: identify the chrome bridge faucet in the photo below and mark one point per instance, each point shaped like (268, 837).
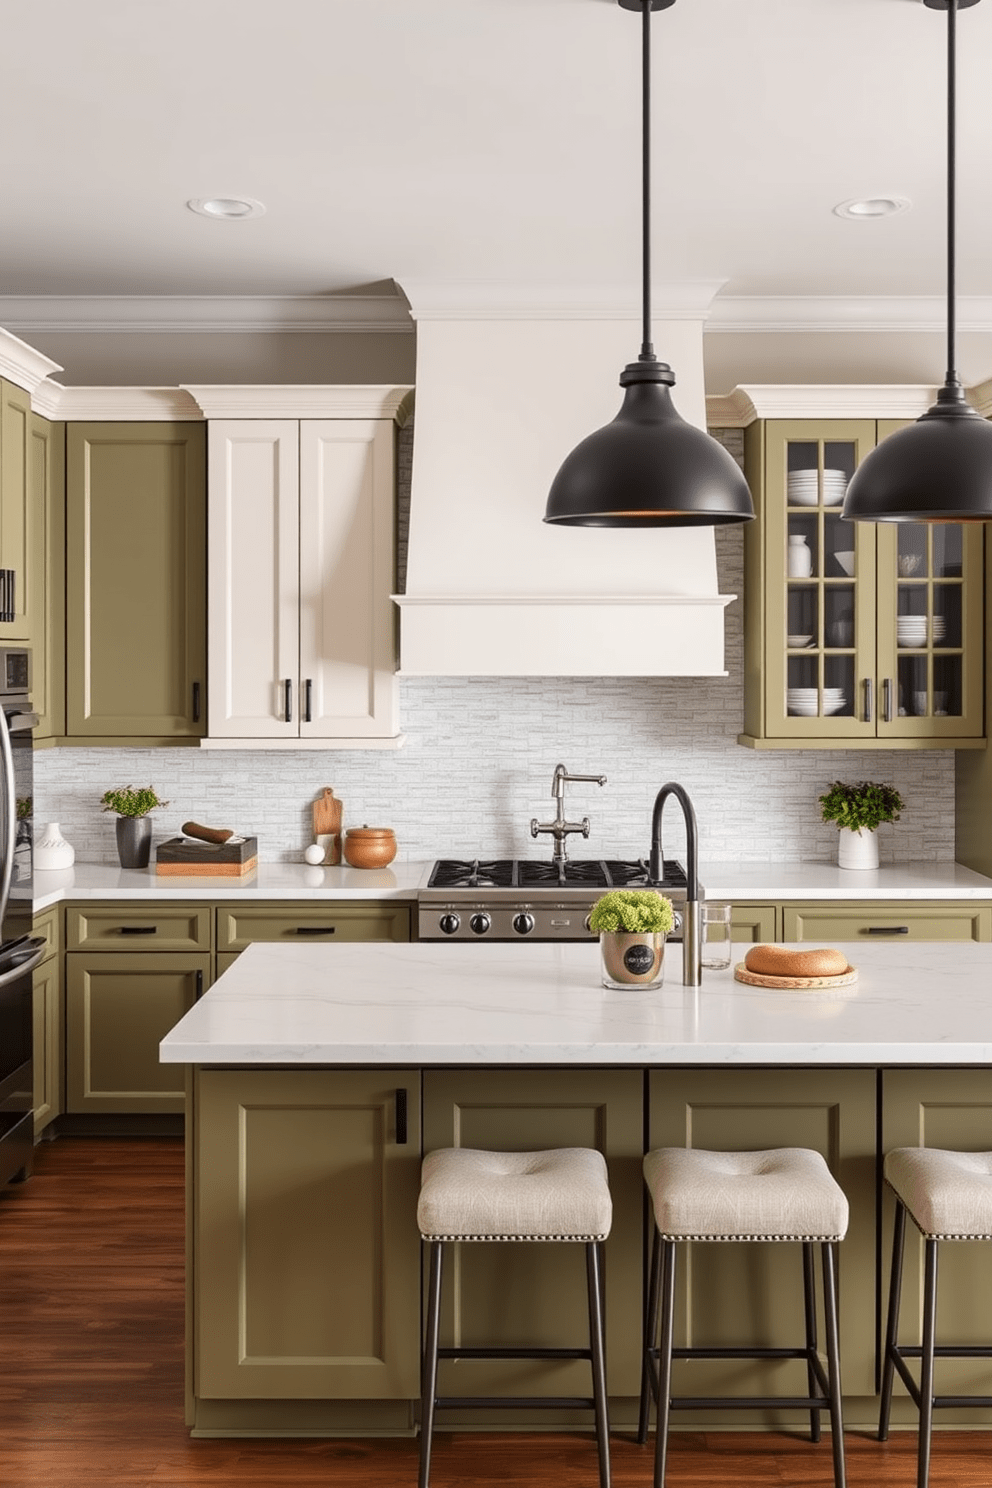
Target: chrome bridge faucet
(692, 921)
(560, 828)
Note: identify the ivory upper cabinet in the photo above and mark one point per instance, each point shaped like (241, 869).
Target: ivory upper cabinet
(301, 568)
(135, 581)
(857, 634)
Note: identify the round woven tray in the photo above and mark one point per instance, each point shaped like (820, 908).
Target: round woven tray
(757, 979)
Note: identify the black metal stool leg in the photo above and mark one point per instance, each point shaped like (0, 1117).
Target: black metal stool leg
(598, 1361)
(665, 1361)
(809, 1303)
(892, 1323)
(650, 1339)
(428, 1371)
(828, 1252)
(926, 1363)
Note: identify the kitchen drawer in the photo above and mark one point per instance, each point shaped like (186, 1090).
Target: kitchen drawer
(298, 924)
(138, 927)
(46, 925)
(914, 921)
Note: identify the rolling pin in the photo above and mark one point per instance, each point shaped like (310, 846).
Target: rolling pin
(206, 834)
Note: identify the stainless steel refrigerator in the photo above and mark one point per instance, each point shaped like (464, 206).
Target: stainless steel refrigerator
(20, 951)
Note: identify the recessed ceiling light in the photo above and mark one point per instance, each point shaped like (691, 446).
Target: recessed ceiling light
(873, 206)
(232, 208)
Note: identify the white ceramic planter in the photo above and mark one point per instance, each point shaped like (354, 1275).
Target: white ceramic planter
(857, 850)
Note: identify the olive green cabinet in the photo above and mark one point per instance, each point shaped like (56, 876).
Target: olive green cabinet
(306, 1272)
(48, 1023)
(136, 582)
(857, 634)
(732, 1295)
(16, 531)
(535, 1295)
(950, 1109)
(46, 574)
(915, 920)
(323, 922)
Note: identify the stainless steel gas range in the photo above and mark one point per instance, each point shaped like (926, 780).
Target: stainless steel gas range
(518, 899)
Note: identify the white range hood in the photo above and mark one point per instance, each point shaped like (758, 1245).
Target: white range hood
(503, 393)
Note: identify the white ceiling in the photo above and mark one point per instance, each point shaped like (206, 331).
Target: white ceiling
(485, 140)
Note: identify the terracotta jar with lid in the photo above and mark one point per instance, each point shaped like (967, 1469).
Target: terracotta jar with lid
(369, 847)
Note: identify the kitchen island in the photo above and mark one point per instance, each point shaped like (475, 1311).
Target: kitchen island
(319, 1075)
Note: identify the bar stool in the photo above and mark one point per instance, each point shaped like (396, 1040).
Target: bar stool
(783, 1194)
(948, 1196)
(556, 1196)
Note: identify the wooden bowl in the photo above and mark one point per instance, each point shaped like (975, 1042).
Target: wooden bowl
(369, 847)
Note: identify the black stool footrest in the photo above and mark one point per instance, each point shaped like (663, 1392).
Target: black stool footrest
(514, 1353)
(519, 1402)
(750, 1402)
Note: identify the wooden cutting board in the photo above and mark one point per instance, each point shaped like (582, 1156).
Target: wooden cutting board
(327, 823)
(757, 979)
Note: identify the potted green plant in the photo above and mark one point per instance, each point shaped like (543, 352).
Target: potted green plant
(632, 925)
(134, 830)
(859, 811)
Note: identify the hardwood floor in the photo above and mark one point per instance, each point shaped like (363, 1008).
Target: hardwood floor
(91, 1361)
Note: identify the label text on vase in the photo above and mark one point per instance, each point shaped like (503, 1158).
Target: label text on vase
(638, 959)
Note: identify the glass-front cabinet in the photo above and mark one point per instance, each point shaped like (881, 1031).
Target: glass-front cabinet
(856, 633)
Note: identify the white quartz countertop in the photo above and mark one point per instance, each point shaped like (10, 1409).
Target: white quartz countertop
(509, 1004)
(268, 881)
(740, 882)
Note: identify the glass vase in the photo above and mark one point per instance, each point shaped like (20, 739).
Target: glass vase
(632, 958)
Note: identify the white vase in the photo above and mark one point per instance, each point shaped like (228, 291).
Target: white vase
(799, 559)
(857, 849)
(52, 851)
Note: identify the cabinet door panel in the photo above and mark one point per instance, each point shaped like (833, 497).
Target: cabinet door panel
(534, 1295)
(754, 922)
(46, 515)
(253, 538)
(135, 580)
(238, 926)
(15, 527)
(950, 1109)
(308, 1277)
(739, 1294)
(48, 1035)
(347, 565)
(118, 1009)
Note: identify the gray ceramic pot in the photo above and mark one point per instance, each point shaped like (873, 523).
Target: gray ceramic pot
(134, 840)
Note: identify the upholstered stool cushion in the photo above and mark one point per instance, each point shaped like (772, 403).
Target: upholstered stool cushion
(558, 1195)
(948, 1194)
(783, 1194)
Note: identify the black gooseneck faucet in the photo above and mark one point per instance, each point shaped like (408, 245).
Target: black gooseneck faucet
(692, 972)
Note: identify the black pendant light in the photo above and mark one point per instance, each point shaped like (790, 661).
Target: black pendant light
(940, 468)
(648, 468)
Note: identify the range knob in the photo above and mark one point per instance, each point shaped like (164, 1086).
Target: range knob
(448, 924)
(523, 924)
(479, 924)
(588, 923)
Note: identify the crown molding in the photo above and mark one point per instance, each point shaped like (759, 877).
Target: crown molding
(300, 314)
(812, 313)
(980, 398)
(117, 404)
(687, 300)
(21, 364)
(306, 401)
(817, 401)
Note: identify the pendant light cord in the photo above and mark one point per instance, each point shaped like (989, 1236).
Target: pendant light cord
(951, 377)
(647, 349)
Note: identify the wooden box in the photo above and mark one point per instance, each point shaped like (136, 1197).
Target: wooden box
(181, 857)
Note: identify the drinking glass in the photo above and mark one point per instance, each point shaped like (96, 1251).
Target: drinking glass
(716, 936)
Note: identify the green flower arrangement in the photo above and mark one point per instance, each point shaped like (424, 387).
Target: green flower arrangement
(127, 801)
(636, 911)
(861, 807)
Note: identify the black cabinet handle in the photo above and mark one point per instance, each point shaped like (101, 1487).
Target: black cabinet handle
(315, 929)
(869, 699)
(887, 700)
(288, 691)
(139, 929)
(196, 702)
(199, 985)
(401, 1131)
(886, 930)
(308, 699)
